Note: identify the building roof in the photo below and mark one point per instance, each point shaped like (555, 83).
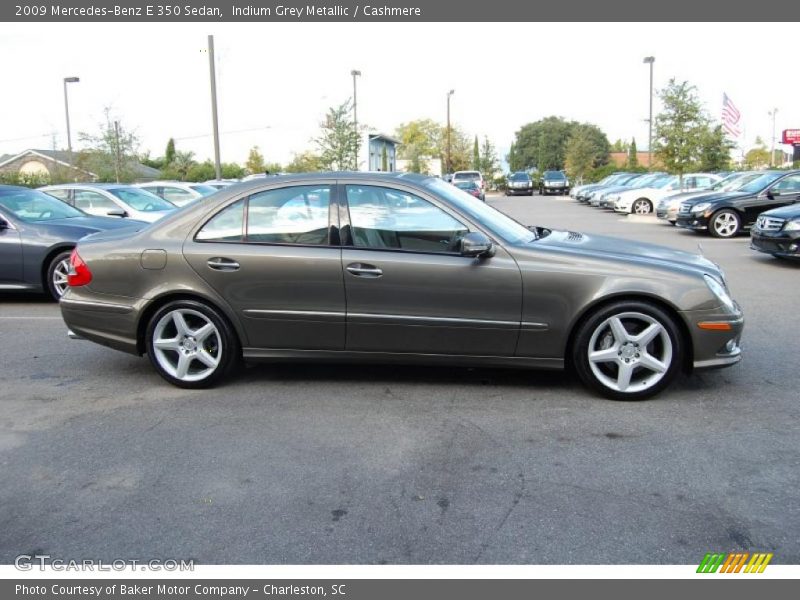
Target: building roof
(63, 158)
(383, 136)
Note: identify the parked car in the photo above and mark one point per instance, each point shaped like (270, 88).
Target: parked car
(576, 190)
(601, 197)
(469, 176)
(777, 232)
(553, 182)
(410, 269)
(220, 183)
(112, 200)
(643, 201)
(667, 208)
(583, 192)
(472, 188)
(519, 183)
(726, 214)
(37, 235)
(179, 193)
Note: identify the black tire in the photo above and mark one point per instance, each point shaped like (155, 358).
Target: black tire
(640, 388)
(715, 224)
(229, 348)
(644, 202)
(55, 262)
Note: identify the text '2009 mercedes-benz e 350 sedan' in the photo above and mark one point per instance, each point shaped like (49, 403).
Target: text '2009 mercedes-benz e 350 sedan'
(395, 268)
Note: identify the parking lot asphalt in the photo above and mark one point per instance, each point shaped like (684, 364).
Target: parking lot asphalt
(100, 458)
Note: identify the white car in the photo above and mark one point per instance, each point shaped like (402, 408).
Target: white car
(643, 201)
(112, 200)
(469, 176)
(668, 207)
(220, 183)
(180, 193)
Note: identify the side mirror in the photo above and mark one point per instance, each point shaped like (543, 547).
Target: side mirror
(117, 212)
(476, 244)
(3, 224)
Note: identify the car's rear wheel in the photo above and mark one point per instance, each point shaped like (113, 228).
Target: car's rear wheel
(628, 350)
(191, 344)
(724, 223)
(56, 277)
(642, 206)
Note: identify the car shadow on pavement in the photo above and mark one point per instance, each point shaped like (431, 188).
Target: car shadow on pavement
(29, 297)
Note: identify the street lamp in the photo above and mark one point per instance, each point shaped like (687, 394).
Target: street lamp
(649, 60)
(772, 114)
(450, 93)
(212, 73)
(66, 110)
(355, 73)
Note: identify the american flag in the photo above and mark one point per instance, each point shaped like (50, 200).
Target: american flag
(730, 117)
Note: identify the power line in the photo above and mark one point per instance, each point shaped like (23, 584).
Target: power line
(202, 135)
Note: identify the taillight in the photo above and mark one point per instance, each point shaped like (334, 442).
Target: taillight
(79, 273)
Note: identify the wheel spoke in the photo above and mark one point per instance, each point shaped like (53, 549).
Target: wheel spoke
(201, 334)
(624, 376)
(648, 335)
(618, 329)
(180, 324)
(169, 344)
(205, 357)
(607, 355)
(647, 361)
(183, 366)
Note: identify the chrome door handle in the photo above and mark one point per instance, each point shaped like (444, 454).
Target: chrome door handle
(362, 270)
(222, 264)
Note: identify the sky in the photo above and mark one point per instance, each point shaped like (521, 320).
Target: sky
(275, 81)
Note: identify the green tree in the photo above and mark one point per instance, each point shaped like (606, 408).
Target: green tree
(420, 141)
(715, 149)
(169, 153)
(633, 155)
(488, 162)
(255, 161)
(110, 153)
(679, 128)
(580, 155)
(338, 139)
(620, 146)
(543, 144)
(476, 155)
(384, 159)
(460, 149)
(758, 156)
(232, 171)
(305, 162)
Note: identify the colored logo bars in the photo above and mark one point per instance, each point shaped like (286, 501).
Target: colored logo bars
(734, 562)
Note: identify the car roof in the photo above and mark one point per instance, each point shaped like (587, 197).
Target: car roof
(367, 177)
(99, 186)
(4, 186)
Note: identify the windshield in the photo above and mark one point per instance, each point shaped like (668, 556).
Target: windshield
(32, 205)
(735, 182)
(141, 199)
(759, 183)
(554, 175)
(203, 189)
(468, 175)
(520, 177)
(505, 227)
(661, 183)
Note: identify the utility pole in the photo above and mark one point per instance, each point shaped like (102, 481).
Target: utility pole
(649, 60)
(213, 75)
(66, 110)
(772, 114)
(447, 166)
(116, 150)
(355, 73)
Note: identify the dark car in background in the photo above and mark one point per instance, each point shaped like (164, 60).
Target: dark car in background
(519, 183)
(726, 214)
(777, 232)
(37, 234)
(553, 182)
(395, 268)
(472, 188)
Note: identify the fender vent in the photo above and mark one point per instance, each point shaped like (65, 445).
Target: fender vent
(574, 236)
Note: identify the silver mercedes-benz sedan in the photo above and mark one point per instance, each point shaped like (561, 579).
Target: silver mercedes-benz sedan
(397, 268)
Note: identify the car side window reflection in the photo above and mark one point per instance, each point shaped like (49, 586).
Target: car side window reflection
(226, 226)
(291, 215)
(790, 184)
(384, 218)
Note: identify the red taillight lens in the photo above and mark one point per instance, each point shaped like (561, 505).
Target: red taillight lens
(79, 273)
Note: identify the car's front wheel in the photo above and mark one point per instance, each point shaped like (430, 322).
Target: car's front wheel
(191, 344)
(56, 277)
(628, 350)
(724, 223)
(642, 206)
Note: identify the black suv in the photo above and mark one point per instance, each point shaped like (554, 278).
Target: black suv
(553, 182)
(725, 214)
(519, 183)
(777, 232)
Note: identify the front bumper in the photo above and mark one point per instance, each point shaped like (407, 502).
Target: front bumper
(691, 221)
(513, 191)
(778, 243)
(716, 337)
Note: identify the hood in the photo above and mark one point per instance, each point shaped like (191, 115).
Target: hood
(791, 211)
(606, 247)
(682, 196)
(715, 196)
(77, 227)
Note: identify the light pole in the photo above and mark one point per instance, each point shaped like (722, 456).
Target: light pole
(649, 60)
(772, 114)
(66, 110)
(214, 121)
(355, 73)
(450, 93)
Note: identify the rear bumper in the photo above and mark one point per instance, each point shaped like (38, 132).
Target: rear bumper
(111, 323)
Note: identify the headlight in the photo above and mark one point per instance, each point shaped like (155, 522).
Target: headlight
(698, 208)
(720, 292)
(793, 225)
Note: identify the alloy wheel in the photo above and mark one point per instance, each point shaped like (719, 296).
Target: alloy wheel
(630, 352)
(642, 207)
(725, 224)
(60, 277)
(187, 345)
